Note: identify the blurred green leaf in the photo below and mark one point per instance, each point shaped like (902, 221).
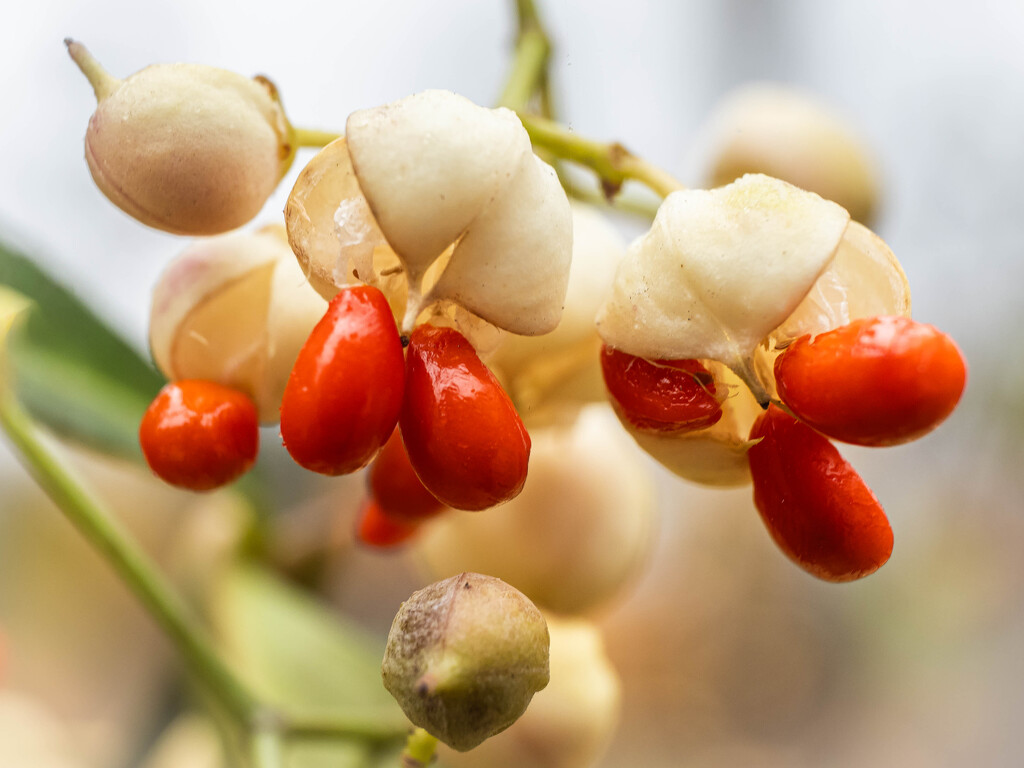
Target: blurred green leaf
(72, 372)
(299, 656)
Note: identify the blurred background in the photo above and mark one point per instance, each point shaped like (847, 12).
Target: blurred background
(728, 655)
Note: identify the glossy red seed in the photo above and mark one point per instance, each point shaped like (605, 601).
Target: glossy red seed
(660, 396)
(345, 391)
(199, 435)
(877, 381)
(376, 528)
(463, 435)
(395, 486)
(814, 504)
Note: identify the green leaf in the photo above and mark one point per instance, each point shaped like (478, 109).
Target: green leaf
(71, 371)
(299, 656)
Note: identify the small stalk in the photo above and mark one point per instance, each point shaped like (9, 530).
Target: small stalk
(362, 729)
(613, 163)
(529, 68)
(103, 83)
(419, 749)
(309, 137)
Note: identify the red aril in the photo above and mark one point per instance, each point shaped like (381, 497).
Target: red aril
(660, 395)
(376, 528)
(814, 504)
(395, 486)
(877, 381)
(345, 391)
(199, 435)
(464, 438)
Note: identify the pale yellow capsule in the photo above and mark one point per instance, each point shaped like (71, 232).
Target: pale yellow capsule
(576, 537)
(186, 148)
(438, 202)
(783, 132)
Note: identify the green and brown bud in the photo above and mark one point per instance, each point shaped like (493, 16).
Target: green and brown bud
(186, 148)
(464, 658)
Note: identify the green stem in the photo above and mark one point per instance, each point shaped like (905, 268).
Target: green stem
(130, 563)
(625, 203)
(528, 68)
(419, 749)
(266, 749)
(613, 163)
(363, 729)
(309, 137)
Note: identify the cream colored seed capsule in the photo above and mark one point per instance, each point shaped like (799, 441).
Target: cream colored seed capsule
(577, 535)
(465, 656)
(236, 310)
(186, 148)
(730, 277)
(448, 196)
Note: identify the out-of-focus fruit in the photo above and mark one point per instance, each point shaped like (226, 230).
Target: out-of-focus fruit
(782, 132)
(199, 435)
(549, 377)
(377, 528)
(344, 395)
(814, 504)
(576, 536)
(462, 433)
(393, 484)
(236, 310)
(465, 656)
(185, 148)
(877, 381)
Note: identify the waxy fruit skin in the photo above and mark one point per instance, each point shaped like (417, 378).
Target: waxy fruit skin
(877, 381)
(660, 395)
(813, 503)
(199, 435)
(342, 401)
(462, 433)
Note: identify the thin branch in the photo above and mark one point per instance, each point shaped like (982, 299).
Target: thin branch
(613, 163)
(530, 60)
(133, 567)
(309, 137)
(419, 749)
(363, 729)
